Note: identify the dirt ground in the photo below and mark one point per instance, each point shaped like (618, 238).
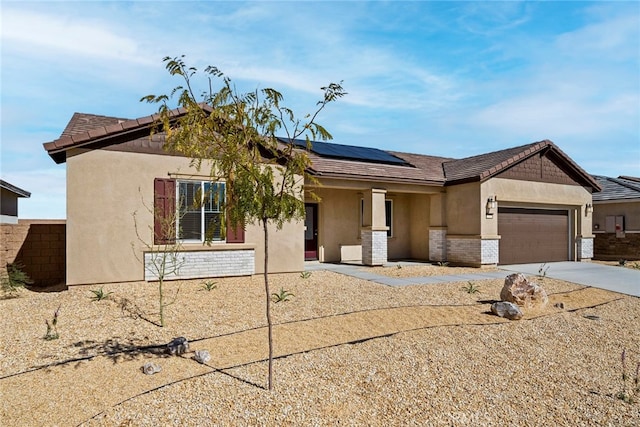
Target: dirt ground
(348, 352)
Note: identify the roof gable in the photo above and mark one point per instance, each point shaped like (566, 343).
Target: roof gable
(83, 122)
(540, 161)
(107, 132)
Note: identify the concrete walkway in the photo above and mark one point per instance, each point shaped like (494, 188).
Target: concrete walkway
(617, 279)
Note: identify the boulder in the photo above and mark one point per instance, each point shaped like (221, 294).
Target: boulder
(202, 356)
(519, 290)
(506, 309)
(178, 346)
(151, 368)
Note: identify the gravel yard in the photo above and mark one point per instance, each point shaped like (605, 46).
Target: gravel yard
(422, 355)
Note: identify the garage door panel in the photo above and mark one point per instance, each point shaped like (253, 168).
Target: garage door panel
(533, 235)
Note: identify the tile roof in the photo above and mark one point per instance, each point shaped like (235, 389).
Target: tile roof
(484, 166)
(621, 188)
(83, 122)
(114, 133)
(422, 169)
(79, 132)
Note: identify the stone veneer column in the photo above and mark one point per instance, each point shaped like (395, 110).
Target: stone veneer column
(374, 247)
(584, 246)
(438, 244)
(374, 230)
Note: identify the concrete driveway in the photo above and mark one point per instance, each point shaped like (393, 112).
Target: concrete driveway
(617, 279)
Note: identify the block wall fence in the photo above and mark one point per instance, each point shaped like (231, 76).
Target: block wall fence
(39, 245)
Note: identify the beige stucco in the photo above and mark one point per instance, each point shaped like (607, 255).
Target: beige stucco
(630, 209)
(515, 193)
(339, 220)
(104, 190)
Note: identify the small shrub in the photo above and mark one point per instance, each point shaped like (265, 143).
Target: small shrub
(99, 294)
(209, 285)
(471, 288)
(283, 295)
(14, 279)
(636, 265)
(622, 262)
(443, 264)
(542, 271)
(625, 395)
(305, 274)
(399, 267)
(52, 328)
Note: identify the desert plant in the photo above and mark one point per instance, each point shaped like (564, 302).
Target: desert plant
(542, 270)
(625, 394)
(622, 262)
(305, 274)
(209, 285)
(14, 279)
(283, 295)
(52, 328)
(252, 140)
(162, 252)
(399, 267)
(471, 288)
(443, 264)
(99, 294)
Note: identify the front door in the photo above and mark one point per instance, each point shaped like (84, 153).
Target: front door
(311, 231)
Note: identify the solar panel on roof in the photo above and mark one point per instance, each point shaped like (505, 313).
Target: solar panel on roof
(349, 152)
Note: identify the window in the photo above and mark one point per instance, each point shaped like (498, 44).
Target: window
(200, 216)
(388, 213)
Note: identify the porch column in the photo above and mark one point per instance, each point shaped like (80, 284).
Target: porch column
(374, 228)
(437, 228)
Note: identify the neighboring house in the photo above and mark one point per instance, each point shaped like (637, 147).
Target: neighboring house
(9, 202)
(616, 218)
(522, 204)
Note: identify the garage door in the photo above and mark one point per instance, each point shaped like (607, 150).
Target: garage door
(533, 235)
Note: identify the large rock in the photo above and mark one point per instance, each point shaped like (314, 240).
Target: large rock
(505, 309)
(519, 290)
(178, 346)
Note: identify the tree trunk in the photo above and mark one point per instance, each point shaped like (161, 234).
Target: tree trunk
(268, 296)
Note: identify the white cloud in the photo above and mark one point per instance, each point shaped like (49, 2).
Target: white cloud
(54, 34)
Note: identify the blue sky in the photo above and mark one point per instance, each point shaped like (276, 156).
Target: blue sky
(442, 78)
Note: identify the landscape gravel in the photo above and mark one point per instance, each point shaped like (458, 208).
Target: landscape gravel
(557, 368)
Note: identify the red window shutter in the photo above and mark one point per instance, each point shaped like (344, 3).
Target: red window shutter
(164, 211)
(235, 235)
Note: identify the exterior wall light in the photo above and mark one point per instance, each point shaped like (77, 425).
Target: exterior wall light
(588, 209)
(492, 205)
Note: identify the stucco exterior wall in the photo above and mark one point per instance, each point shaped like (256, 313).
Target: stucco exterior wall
(417, 226)
(463, 209)
(622, 245)
(338, 221)
(630, 211)
(517, 193)
(105, 188)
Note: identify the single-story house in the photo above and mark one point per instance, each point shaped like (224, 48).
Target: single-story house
(523, 204)
(9, 195)
(616, 218)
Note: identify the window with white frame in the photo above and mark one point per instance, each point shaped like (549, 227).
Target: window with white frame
(200, 214)
(388, 208)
